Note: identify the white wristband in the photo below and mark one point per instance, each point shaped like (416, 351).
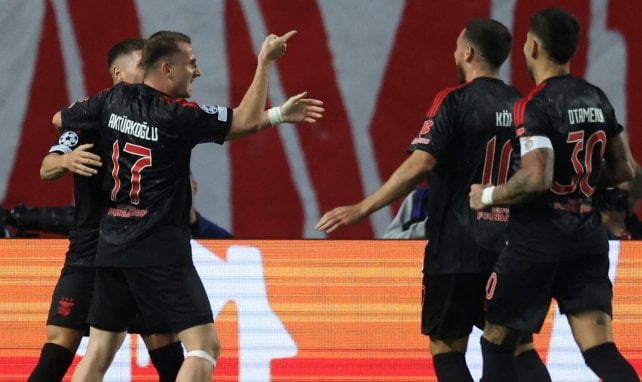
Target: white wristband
(274, 115)
(487, 195)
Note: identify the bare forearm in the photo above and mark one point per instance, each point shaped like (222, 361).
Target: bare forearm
(402, 182)
(52, 167)
(611, 176)
(521, 187)
(250, 115)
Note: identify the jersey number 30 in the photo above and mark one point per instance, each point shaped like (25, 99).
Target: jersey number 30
(582, 170)
(145, 160)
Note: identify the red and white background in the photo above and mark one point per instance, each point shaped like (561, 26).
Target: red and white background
(376, 64)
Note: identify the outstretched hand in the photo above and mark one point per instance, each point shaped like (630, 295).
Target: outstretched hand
(299, 109)
(81, 161)
(340, 216)
(274, 46)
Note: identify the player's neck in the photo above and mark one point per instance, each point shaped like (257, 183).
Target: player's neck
(550, 69)
(479, 72)
(158, 84)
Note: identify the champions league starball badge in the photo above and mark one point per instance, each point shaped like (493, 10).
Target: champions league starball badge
(209, 109)
(68, 138)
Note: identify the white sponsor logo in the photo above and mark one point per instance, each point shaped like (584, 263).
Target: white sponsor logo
(222, 114)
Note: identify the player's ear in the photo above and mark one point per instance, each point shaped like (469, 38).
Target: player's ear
(166, 69)
(533, 49)
(469, 53)
(114, 72)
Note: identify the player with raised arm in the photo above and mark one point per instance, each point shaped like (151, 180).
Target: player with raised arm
(67, 321)
(144, 256)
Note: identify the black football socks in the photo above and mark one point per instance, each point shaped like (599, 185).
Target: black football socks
(451, 367)
(530, 367)
(498, 362)
(167, 360)
(53, 363)
(609, 364)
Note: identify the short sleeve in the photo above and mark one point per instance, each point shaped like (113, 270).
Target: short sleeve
(82, 115)
(533, 121)
(613, 128)
(205, 123)
(70, 139)
(438, 127)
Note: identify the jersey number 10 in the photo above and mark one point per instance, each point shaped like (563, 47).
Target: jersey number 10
(489, 162)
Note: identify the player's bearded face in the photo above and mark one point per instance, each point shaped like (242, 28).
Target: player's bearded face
(461, 75)
(459, 57)
(528, 48)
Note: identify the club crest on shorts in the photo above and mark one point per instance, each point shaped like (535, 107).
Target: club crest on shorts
(68, 138)
(65, 306)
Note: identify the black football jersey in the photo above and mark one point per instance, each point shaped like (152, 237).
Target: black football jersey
(88, 201)
(578, 119)
(468, 129)
(146, 142)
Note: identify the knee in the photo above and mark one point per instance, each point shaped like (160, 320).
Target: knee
(65, 337)
(500, 335)
(208, 344)
(437, 346)
(216, 348)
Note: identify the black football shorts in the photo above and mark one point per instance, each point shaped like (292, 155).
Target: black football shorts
(452, 304)
(519, 292)
(71, 298)
(169, 296)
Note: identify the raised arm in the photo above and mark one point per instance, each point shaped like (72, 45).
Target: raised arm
(250, 115)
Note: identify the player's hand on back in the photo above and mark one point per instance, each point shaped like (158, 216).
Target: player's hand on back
(299, 109)
(81, 161)
(274, 46)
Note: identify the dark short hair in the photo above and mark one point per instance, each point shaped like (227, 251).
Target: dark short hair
(491, 38)
(559, 32)
(162, 44)
(123, 48)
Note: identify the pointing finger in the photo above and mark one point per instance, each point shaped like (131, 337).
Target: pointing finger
(287, 36)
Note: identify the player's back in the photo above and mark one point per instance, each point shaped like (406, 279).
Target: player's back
(147, 176)
(468, 130)
(578, 119)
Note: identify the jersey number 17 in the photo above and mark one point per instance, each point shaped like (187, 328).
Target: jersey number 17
(145, 160)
